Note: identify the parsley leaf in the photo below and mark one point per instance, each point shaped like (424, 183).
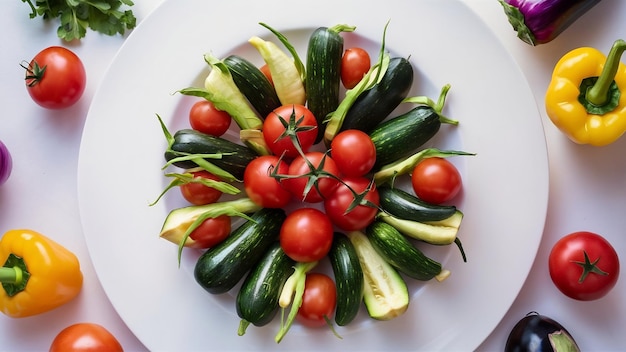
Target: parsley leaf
(76, 16)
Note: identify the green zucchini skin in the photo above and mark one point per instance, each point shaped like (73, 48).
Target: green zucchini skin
(375, 104)
(253, 84)
(220, 268)
(323, 77)
(400, 253)
(257, 300)
(404, 205)
(398, 137)
(349, 279)
(189, 141)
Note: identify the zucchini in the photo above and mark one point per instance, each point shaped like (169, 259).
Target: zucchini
(400, 253)
(398, 137)
(235, 157)
(404, 205)
(323, 76)
(375, 104)
(253, 84)
(385, 292)
(220, 268)
(348, 278)
(440, 232)
(257, 300)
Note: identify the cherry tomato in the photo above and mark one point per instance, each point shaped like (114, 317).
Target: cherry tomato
(55, 78)
(266, 71)
(583, 265)
(261, 187)
(436, 180)
(206, 118)
(354, 152)
(300, 167)
(211, 232)
(274, 130)
(306, 235)
(354, 64)
(82, 337)
(199, 194)
(342, 198)
(319, 300)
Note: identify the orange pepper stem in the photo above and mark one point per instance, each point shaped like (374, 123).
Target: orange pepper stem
(598, 94)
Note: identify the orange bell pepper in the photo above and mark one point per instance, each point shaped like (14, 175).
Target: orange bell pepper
(37, 275)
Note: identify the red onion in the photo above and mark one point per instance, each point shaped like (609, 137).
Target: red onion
(6, 163)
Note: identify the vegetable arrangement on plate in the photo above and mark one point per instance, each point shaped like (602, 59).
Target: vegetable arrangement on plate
(314, 177)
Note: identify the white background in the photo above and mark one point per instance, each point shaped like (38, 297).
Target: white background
(587, 184)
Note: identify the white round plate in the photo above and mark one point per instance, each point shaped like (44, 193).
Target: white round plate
(505, 183)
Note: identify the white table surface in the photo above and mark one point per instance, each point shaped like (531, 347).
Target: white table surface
(587, 184)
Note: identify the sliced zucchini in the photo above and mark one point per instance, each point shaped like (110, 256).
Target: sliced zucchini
(386, 294)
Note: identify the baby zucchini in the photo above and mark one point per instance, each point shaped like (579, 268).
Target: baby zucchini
(348, 278)
(323, 75)
(253, 84)
(186, 142)
(257, 300)
(404, 205)
(375, 104)
(220, 268)
(400, 253)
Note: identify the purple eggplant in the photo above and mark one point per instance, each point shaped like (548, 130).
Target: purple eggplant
(538, 333)
(540, 21)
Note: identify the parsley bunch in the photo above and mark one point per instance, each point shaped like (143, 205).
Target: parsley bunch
(103, 16)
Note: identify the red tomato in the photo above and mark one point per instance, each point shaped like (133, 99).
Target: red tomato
(354, 64)
(354, 152)
(198, 194)
(583, 265)
(206, 118)
(261, 187)
(211, 232)
(298, 119)
(339, 202)
(319, 300)
(55, 78)
(85, 337)
(436, 180)
(266, 71)
(306, 235)
(300, 167)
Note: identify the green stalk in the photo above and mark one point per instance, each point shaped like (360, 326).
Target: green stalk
(599, 94)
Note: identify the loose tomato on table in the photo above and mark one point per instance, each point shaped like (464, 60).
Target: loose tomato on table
(316, 171)
(354, 152)
(306, 235)
(197, 193)
(206, 118)
(355, 63)
(319, 300)
(261, 187)
(55, 78)
(285, 122)
(583, 265)
(354, 204)
(83, 337)
(436, 180)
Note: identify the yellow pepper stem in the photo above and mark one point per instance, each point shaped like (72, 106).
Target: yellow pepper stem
(598, 94)
(12, 275)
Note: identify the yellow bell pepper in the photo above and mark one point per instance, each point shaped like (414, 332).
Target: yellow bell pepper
(38, 274)
(584, 99)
